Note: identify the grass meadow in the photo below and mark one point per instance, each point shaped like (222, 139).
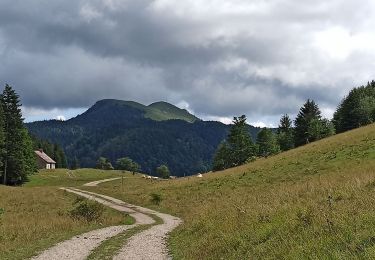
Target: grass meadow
(314, 202)
(35, 217)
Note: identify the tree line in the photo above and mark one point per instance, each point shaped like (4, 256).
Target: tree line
(355, 110)
(127, 164)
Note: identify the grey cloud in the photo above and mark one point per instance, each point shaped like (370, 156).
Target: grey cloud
(262, 59)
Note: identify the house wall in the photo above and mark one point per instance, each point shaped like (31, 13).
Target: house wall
(41, 163)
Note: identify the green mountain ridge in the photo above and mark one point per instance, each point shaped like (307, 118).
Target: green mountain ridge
(158, 111)
(152, 135)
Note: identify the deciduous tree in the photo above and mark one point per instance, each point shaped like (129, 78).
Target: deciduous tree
(127, 164)
(163, 171)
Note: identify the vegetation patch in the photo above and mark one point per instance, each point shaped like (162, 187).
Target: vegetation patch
(87, 210)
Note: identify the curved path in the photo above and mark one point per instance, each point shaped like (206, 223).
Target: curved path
(95, 183)
(149, 244)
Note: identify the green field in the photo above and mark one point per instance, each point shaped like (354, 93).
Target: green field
(314, 202)
(36, 217)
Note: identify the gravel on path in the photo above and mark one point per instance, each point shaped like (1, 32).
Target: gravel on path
(149, 244)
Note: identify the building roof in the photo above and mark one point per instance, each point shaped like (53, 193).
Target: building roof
(44, 157)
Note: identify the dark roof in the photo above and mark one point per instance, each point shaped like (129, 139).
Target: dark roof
(44, 157)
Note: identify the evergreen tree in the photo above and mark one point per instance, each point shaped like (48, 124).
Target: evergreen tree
(75, 164)
(357, 109)
(18, 154)
(308, 112)
(238, 147)
(222, 155)
(2, 143)
(285, 133)
(267, 143)
(319, 129)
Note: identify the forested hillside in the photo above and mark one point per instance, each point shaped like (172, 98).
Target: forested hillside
(150, 135)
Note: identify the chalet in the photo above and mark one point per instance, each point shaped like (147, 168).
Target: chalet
(44, 161)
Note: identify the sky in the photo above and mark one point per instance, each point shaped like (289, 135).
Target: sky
(216, 58)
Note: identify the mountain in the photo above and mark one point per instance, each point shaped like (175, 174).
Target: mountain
(151, 135)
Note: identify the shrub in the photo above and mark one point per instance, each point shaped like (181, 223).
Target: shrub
(156, 198)
(87, 210)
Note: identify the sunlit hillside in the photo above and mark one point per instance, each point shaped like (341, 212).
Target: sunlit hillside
(315, 202)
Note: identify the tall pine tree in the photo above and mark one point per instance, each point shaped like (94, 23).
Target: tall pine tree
(285, 133)
(2, 143)
(238, 147)
(308, 113)
(18, 157)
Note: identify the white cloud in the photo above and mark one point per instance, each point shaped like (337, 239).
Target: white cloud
(61, 118)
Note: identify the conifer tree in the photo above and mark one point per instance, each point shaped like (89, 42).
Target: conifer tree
(221, 159)
(357, 109)
(237, 149)
(267, 143)
(308, 112)
(18, 157)
(2, 143)
(285, 133)
(75, 164)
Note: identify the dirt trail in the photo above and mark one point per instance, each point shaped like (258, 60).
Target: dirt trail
(149, 244)
(95, 183)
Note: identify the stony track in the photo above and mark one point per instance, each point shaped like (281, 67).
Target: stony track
(148, 244)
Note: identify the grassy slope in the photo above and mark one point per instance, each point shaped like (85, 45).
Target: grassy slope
(164, 111)
(313, 202)
(160, 111)
(36, 216)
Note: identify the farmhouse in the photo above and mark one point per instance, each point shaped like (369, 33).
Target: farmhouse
(44, 161)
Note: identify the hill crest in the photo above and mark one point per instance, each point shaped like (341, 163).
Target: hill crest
(158, 111)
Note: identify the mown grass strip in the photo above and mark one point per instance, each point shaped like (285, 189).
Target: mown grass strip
(109, 248)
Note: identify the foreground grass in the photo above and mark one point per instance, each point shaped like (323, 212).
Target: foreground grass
(36, 218)
(314, 202)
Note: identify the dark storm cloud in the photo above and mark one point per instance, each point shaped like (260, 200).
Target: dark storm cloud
(221, 58)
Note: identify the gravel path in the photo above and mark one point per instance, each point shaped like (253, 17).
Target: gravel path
(95, 183)
(149, 244)
(80, 247)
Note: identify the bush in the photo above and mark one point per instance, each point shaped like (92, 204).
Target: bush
(87, 210)
(163, 171)
(156, 198)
